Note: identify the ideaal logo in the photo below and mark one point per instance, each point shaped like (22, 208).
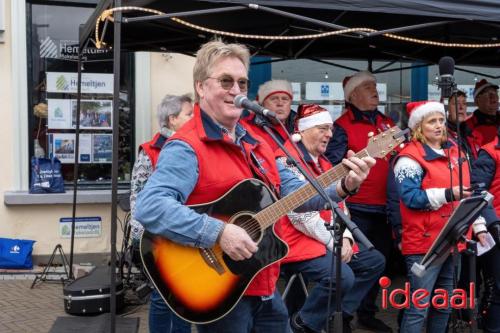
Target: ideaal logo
(440, 299)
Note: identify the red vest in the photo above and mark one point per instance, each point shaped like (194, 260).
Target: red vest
(373, 188)
(153, 148)
(470, 141)
(221, 165)
(249, 122)
(493, 149)
(301, 246)
(421, 227)
(482, 133)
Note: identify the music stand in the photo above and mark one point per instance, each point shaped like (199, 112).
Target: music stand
(462, 218)
(454, 230)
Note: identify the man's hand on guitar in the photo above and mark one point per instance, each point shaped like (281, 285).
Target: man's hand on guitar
(359, 169)
(236, 242)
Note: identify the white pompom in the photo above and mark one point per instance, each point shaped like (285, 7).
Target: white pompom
(296, 137)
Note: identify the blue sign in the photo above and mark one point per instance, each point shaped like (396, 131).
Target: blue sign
(325, 90)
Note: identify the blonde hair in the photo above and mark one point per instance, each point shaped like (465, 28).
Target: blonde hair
(417, 133)
(210, 53)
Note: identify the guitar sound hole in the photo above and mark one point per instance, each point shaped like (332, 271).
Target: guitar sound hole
(251, 226)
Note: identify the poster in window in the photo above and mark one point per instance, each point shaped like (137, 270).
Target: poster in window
(94, 113)
(63, 147)
(92, 83)
(59, 113)
(102, 148)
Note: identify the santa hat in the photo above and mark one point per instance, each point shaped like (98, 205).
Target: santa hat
(419, 110)
(351, 82)
(481, 85)
(308, 116)
(274, 87)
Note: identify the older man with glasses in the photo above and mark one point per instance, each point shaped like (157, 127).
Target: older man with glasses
(204, 161)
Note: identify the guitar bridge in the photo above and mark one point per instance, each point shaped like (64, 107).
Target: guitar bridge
(211, 260)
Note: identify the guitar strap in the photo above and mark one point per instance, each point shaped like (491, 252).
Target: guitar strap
(262, 174)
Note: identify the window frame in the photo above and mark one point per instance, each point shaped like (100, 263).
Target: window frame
(31, 121)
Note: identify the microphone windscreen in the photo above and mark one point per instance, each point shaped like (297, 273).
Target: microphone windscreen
(446, 66)
(238, 100)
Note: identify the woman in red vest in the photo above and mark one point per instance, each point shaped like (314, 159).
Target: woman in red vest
(173, 112)
(426, 174)
(311, 244)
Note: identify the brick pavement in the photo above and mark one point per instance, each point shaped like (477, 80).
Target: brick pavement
(34, 310)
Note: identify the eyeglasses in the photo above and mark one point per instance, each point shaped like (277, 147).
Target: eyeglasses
(227, 82)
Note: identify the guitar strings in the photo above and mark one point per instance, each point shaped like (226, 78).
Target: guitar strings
(256, 228)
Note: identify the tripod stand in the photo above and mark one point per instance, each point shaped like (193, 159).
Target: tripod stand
(46, 271)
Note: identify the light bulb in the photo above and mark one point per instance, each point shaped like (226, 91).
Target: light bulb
(326, 75)
(475, 78)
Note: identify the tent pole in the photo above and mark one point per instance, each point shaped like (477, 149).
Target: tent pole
(114, 167)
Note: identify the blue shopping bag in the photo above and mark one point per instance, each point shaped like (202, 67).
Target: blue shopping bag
(46, 176)
(16, 253)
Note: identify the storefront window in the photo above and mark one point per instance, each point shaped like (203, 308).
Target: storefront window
(52, 85)
(322, 83)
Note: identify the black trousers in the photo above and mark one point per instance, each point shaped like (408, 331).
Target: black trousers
(492, 269)
(377, 230)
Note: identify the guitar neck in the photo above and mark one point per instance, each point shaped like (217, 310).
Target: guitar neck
(272, 213)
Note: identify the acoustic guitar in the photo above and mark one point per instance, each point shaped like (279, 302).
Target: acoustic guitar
(202, 285)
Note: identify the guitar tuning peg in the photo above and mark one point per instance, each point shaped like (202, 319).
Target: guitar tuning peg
(370, 134)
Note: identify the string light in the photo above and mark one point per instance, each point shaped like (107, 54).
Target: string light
(107, 15)
(326, 75)
(475, 78)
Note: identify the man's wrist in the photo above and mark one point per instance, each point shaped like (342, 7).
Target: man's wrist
(219, 236)
(345, 189)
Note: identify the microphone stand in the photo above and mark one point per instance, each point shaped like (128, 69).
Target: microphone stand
(471, 250)
(336, 229)
(459, 140)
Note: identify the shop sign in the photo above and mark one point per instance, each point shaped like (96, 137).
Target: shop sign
(333, 91)
(324, 91)
(92, 83)
(434, 93)
(296, 91)
(85, 227)
(53, 48)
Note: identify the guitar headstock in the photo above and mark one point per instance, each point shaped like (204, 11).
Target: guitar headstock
(383, 143)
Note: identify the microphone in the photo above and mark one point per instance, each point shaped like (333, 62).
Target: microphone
(242, 101)
(446, 80)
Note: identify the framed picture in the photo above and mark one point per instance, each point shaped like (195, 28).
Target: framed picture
(63, 147)
(59, 113)
(102, 148)
(94, 114)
